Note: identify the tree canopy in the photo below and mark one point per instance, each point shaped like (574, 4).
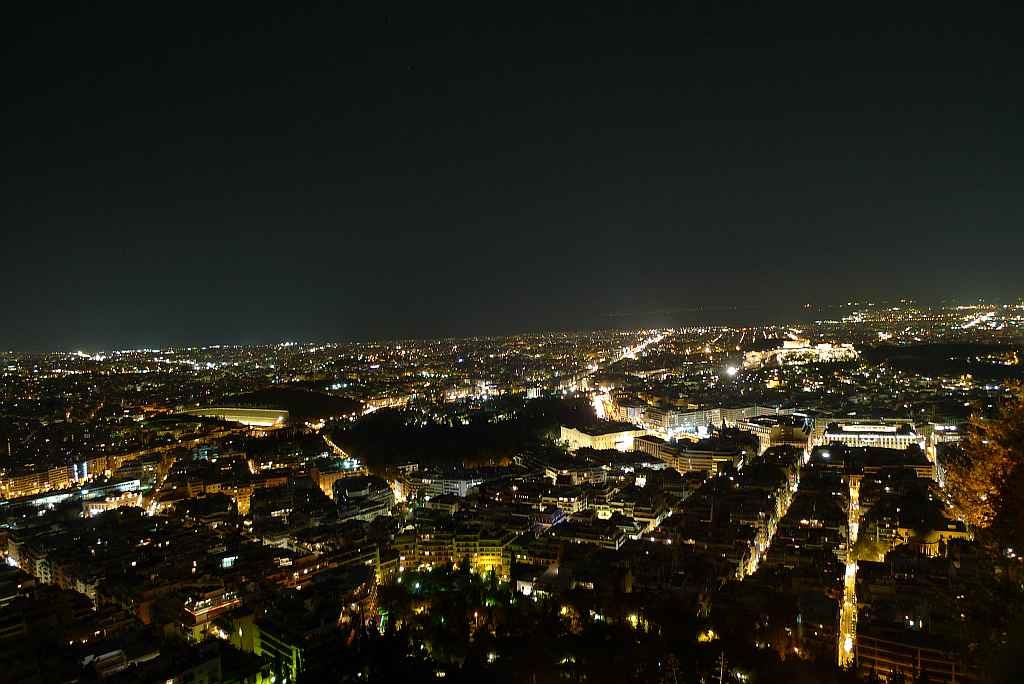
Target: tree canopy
(986, 477)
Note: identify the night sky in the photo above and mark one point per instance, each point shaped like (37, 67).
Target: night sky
(175, 176)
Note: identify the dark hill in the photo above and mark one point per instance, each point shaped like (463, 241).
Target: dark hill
(300, 404)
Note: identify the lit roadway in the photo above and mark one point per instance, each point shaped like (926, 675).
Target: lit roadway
(631, 352)
(334, 447)
(983, 318)
(627, 353)
(848, 613)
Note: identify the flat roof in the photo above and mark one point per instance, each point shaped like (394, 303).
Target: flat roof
(904, 429)
(262, 417)
(608, 428)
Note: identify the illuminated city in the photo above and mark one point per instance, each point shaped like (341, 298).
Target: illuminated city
(403, 342)
(241, 495)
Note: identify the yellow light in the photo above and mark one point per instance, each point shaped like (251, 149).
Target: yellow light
(707, 636)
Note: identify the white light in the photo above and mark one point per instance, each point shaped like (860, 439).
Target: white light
(732, 371)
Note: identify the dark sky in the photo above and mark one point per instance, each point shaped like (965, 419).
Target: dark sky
(395, 169)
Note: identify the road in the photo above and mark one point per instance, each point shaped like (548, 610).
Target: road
(599, 401)
(848, 612)
(334, 447)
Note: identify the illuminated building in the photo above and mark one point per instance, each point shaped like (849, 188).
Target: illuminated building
(936, 434)
(486, 550)
(270, 640)
(449, 503)
(656, 447)
(799, 352)
(872, 434)
(326, 475)
(618, 436)
(569, 499)
(251, 417)
(363, 498)
(202, 609)
(777, 431)
(109, 503)
(684, 458)
(429, 484)
(597, 532)
(669, 423)
(574, 471)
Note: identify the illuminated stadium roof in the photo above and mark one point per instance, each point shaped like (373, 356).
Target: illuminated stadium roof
(253, 417)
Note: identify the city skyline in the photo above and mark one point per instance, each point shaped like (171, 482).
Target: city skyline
(716, 317)
(821, 502)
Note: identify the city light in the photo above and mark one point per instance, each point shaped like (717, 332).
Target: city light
(413, 477)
